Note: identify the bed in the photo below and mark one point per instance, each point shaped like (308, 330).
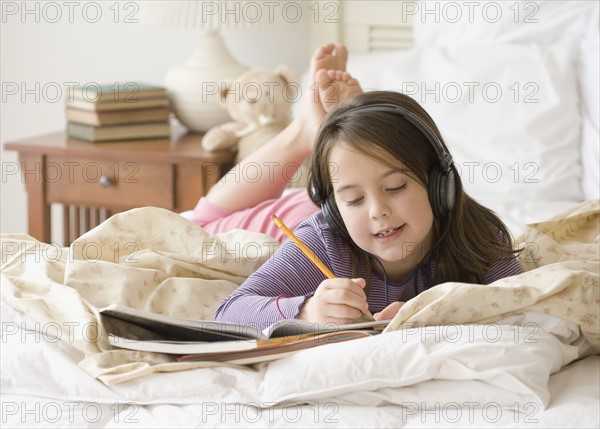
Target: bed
(514, 89)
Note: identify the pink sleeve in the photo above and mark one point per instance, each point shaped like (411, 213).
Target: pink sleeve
(292, 208)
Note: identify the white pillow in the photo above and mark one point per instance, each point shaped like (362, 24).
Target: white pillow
(590, 96)
(444, 24)
(439, 23)
(508, 113)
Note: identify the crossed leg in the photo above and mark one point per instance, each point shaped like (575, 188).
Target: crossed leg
(243, 202)
(273, 163)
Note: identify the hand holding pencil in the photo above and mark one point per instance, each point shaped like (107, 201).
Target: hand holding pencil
(351, 288)
(303, 247)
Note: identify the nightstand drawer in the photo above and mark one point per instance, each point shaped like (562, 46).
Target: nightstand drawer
(108, 183)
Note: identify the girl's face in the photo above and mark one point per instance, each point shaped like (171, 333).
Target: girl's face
(386, 212)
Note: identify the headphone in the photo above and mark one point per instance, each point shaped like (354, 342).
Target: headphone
(442, 179)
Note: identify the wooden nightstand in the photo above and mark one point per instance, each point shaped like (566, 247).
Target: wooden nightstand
(96, 180)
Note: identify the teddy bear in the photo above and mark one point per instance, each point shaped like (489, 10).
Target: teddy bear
(260, 103)
(259, 106)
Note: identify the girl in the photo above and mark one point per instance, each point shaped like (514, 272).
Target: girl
(395, 220)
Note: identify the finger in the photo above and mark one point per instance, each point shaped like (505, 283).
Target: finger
(360, 281)
(352, 286)
(344, 291)
(338, 292)
(342, 296)
(341, 311)
(390, 311)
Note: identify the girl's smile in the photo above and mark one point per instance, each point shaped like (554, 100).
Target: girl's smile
(387, 212)
(390, 234)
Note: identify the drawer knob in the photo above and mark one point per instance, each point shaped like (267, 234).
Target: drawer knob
(105, 181)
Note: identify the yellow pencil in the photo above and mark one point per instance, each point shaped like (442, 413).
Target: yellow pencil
(303, 247)
(366, 316)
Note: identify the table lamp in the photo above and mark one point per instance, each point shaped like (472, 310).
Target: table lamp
(194, 86)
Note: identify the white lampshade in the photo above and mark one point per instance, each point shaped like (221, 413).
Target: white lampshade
(193, 87)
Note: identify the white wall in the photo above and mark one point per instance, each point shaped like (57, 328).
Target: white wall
(37, 53)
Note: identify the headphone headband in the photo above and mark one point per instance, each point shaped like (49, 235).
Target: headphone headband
(443, 156)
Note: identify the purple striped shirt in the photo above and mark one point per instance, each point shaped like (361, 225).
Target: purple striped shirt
(294, 277)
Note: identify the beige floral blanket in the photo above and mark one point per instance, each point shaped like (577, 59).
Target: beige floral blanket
(561, 259)
(156, 260)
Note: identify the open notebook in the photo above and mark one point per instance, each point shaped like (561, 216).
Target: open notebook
(136, 329)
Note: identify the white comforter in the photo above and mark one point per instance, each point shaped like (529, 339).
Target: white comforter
(491, 365)
(495, 374)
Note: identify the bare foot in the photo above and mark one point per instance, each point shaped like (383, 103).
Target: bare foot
(335, 86)
(329, 56)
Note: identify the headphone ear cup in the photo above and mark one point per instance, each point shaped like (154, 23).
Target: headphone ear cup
(334, 218)
(436, 192)
(329, 209)
(314, 193)
(449, 187)
(315, 197)
(441, 189)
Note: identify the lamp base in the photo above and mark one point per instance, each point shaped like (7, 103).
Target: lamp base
(194, 88)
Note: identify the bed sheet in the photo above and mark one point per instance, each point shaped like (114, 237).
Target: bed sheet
(574, 393)
(457, 385)
(45, 398)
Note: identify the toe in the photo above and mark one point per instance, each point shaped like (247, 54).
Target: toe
(324, 77)
(341, 52)
(326, 49)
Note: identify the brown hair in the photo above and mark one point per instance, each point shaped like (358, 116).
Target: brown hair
(469, 239)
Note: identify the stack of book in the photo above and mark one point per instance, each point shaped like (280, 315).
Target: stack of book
(117, 111)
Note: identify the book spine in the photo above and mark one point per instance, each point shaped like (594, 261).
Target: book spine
(108, 106)
(119, 133)
(121, 117)
(81, 132)
(116, 92)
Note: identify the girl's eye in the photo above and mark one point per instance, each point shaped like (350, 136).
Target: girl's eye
(397, 189)
(354, 202)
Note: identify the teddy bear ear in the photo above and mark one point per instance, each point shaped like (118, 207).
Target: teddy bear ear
(287, 73)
